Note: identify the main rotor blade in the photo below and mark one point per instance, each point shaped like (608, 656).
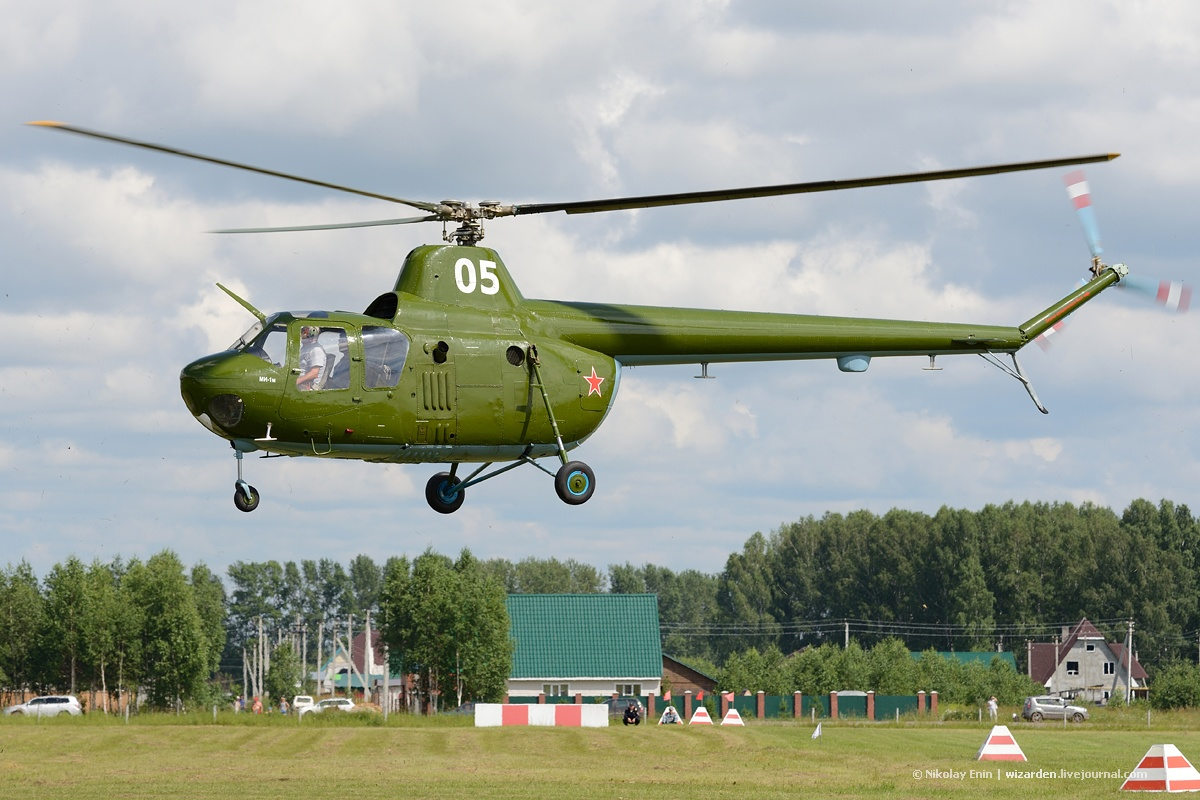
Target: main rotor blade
(333, 226)
(224, 163)
(683, 198)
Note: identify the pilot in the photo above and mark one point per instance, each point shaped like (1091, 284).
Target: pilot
(312, 359)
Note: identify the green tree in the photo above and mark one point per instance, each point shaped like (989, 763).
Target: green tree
(209, 596)
(66, 586)
(366, 581)
(22, 611)
(745, 595)
(284, 674)
(100, 617)
(447, 622)
(174, 648)
(1176, 686)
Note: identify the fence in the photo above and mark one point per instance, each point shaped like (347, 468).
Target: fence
(835, 705)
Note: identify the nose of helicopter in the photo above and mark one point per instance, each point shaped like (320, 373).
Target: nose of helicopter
(213, 392)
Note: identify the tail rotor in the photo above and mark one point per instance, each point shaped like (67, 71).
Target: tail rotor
(1174, 296)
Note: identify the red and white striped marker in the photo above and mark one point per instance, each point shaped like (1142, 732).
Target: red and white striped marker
(494, 715)
(1163, 769)
(1000, 746)
(700, 717)
(732, 717)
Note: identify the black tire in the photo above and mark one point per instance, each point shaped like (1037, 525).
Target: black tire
(438, 496)
(1077, 717)
(1035, 716)
(242, 503)
(575, 482)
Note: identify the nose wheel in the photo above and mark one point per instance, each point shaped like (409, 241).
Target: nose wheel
(245, 496)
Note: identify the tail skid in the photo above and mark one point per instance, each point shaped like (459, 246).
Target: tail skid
(1052, 316)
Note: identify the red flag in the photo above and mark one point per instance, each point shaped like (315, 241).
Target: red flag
(700, 696)
(727, 696)
(667, 696)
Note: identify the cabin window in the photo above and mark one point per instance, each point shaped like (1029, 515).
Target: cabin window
(321, 363)
(385, 350)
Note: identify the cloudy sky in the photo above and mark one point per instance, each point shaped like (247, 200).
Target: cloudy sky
(108, 274)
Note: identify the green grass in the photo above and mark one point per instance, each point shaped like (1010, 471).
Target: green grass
(360, 757)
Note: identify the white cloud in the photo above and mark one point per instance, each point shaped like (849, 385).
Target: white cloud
(522, 101)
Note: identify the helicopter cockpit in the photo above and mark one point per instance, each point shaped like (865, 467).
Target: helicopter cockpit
(385, 349)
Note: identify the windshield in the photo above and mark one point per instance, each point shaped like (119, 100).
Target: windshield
(270, 345)
(248, 337)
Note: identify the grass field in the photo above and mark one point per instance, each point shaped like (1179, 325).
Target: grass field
(360, 759)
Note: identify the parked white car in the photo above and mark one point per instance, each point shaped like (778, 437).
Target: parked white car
(302, 703)
(48, 706)
(334, 704)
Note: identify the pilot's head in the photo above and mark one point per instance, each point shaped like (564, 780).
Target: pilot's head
(309, 332)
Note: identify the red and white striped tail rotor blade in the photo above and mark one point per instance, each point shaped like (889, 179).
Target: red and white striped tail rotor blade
(1172, 295)
(1081, 196)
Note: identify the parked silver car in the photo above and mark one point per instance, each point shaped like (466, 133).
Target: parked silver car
(1037, 709)
(48, 706)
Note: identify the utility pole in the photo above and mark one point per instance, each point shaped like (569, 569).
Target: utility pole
(1129, 666)
(261, 650)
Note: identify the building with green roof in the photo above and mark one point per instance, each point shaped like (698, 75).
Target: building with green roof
(589, 644)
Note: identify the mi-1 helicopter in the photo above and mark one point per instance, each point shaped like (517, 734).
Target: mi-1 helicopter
(454, 366)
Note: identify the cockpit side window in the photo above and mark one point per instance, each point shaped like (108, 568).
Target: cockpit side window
(270, 345)
(322, 363)
(385, 350)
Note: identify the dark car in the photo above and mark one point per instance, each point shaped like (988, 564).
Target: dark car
(617, 706)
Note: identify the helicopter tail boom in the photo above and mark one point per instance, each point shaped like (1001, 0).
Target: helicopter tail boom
(1039, 324)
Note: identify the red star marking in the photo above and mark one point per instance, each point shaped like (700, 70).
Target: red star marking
(593, 383)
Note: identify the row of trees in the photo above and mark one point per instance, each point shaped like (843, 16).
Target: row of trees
(955, 580)
(888, 668)
(112, 627)
(965, 580)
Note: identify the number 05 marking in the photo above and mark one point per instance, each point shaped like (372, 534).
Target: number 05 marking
(465, 277)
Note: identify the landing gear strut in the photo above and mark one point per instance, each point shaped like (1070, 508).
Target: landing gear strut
(574, 481)
(245, 496)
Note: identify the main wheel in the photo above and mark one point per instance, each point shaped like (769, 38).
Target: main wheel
(242, 502)
(441, 494)
(575, 483)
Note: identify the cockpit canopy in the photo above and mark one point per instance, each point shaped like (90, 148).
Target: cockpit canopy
(384, 350)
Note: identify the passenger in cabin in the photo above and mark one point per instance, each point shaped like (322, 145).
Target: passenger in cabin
(312, 360)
